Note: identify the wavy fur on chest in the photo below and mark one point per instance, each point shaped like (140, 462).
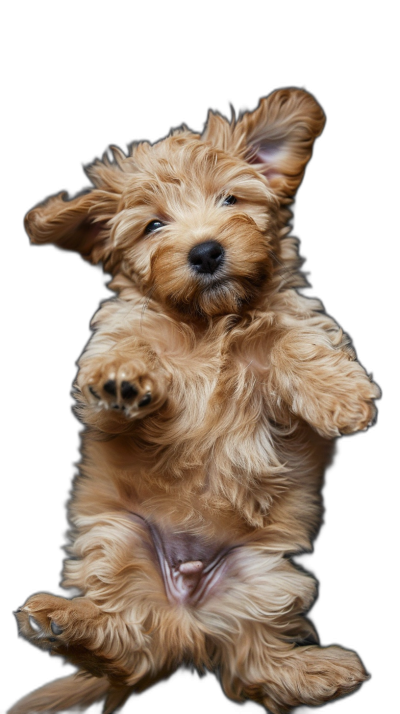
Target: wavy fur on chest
(223, 439)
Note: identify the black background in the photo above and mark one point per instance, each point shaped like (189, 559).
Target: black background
(63, 114)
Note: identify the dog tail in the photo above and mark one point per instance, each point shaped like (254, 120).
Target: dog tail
(75, 691)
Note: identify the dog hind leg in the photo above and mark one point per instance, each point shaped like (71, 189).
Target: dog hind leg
(274, 657)
(98, 642)
(291, 676)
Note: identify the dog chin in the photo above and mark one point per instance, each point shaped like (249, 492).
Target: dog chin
(219, 297)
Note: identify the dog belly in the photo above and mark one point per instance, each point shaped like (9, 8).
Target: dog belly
(191, 567)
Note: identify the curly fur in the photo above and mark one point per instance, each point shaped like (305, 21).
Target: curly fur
(196, 486)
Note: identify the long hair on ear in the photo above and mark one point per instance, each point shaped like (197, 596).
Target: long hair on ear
(81, 223)
(276, 138)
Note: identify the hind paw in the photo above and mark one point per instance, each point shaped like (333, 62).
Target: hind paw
(49, 621)
(73, 629)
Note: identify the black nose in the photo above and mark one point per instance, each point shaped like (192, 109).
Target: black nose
(206, 257)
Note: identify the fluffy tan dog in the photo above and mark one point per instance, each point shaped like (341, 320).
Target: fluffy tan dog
(212, 392)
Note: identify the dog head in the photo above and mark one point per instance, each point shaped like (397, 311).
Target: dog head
(195, 221)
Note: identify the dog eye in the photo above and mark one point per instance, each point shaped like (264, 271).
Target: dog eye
(153, 226)
(229, 201)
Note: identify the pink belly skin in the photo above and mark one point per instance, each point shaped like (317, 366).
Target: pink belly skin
(191, 582)
(191, 568)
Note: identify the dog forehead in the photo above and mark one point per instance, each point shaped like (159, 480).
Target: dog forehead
(182, 148)
(182, 166)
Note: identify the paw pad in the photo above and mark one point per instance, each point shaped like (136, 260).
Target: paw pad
(56, 629)
(111, 387)
(132, 386)
(145, 401)
(122, 394)
(128, 390)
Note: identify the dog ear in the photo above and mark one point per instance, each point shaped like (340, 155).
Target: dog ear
(80, 224)
(277, 137)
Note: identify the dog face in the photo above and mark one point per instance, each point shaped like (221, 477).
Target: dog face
(194, 221)
(192, 227)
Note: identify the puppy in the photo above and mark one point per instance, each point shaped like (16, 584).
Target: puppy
(211, 392)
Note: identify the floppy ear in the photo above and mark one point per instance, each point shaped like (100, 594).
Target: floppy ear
(78, 224)
(277, 137)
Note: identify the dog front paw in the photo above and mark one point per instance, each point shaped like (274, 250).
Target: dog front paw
(345, 411)
(354, 416)
(128, 386)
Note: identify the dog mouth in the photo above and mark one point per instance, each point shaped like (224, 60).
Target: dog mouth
(210, 283)
(220, 294)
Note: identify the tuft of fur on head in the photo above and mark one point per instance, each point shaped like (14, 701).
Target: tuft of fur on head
(184, 183)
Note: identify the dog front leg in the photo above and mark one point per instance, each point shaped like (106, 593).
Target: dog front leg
(321, 382)
(113, 628)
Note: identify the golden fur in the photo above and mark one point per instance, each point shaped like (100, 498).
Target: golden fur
(187, 506)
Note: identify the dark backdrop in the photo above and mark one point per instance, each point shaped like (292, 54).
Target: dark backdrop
(64, 116)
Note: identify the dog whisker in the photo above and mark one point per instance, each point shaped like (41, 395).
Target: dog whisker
(146, 303)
